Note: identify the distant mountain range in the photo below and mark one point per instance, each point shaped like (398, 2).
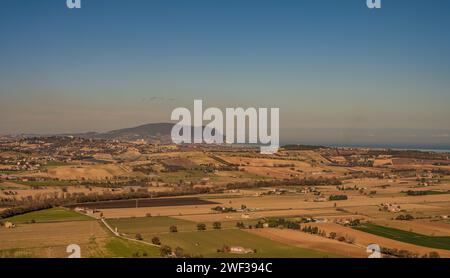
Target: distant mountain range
(160, 132)
(154, 131)
(147, 131)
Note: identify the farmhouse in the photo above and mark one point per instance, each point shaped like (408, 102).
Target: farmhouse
(9, 225)
(320, 199)
(390, 207)
(240, 250)
(85, 210)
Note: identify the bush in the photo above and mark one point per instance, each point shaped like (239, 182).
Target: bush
(179, 252)
(139, 237)
(333, 235)
(165, 251)
(337, 197)
(156, 240)
(173, 229)
(201, 226)
(217, 225)
(434, 255)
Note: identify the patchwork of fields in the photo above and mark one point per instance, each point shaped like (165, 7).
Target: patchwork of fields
(236, 203)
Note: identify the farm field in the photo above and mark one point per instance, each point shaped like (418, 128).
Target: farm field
(120, 248)
(425, 227)
(304, 240)
(49, 215)
(206, 243)
(146, 203)
(148, 226)
(50, 240)
(439, 242)
(142, 190)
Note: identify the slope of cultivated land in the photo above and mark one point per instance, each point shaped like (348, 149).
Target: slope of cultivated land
(267, 167)
(439, 242)
(314, 242)
(49, 215)
(206, 243)
(90, 172)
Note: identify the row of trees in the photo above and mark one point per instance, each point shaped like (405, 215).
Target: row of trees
(200, 227)
(286, 182)
(406, 217)
(337, 197)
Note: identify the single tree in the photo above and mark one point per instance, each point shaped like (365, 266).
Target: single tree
(165, 251)
(173, 229)
(139, 236)
(179, 252)
(217, 225)
(156, 240)
(201, 226)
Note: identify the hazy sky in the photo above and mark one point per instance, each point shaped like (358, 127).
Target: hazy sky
(338, 71)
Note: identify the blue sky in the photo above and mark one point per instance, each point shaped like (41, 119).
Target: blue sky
(336, 69)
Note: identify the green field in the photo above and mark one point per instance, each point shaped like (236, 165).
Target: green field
(121, 248)
(49, 215)
(57, 164)
(8, 172)
(206, 244)
(47, 183)
(149, 226)
(405, 236)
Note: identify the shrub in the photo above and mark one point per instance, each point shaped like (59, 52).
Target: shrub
(156, 240)
(139, 236)
(201, 226)
(165, 251)
(173, 229)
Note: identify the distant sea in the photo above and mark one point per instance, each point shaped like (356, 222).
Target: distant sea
(429, 148)
(436, 150)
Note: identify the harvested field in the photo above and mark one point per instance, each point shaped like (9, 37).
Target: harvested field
(57, 235)
(304, 240)
(156, 211)
(90, 172)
